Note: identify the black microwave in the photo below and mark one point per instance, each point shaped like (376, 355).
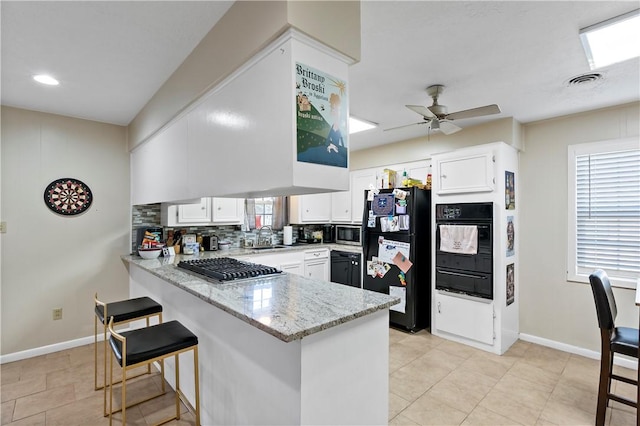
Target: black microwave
(348, 234)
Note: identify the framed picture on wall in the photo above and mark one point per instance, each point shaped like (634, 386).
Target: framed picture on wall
(511, 285)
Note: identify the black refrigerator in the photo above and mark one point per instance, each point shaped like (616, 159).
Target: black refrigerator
(396, 243)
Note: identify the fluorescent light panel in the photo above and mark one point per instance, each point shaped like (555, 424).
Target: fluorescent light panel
(357, 125)
(612, 41)
(46, 79)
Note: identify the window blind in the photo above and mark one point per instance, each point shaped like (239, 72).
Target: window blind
(608, 212)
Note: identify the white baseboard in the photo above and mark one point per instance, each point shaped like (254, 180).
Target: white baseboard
(43, 350)
(620, 360)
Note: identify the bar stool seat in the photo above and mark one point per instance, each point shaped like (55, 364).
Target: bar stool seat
(146, 345)
(123, 311)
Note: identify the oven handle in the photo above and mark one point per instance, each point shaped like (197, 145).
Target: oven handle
(458, 274)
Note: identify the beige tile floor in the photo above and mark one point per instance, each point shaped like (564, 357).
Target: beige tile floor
(432, 381)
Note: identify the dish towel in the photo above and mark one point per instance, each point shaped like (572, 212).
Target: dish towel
(459, 239)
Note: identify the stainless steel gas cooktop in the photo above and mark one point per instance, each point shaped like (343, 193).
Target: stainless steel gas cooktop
(226, 268)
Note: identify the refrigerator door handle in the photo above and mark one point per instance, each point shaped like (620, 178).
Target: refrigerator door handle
(458, 274)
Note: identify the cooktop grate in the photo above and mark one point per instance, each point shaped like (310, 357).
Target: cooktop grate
(226, 268)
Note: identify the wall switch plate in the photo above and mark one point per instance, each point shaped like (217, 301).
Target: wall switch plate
(57, 314)
(3, 227)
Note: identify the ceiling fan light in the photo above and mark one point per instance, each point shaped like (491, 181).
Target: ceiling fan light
(435, 125)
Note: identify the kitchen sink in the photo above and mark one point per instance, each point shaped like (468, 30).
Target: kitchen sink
(277, 246)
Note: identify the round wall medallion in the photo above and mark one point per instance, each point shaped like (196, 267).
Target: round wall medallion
(68, 196)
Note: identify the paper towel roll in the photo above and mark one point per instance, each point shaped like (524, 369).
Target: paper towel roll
(287, 235)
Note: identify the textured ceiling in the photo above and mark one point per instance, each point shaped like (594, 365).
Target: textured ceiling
(113, 56)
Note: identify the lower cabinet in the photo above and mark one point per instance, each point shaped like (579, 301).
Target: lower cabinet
(293, 267)
(461, 316)
(316, 264)
(312, 263)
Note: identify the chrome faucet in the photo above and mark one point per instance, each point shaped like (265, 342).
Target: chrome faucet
(264, 241)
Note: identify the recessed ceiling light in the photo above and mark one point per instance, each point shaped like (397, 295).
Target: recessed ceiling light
(46, 79)
(611, 41)
(357, 125)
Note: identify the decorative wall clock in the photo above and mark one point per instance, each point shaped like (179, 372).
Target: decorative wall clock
(68, 196)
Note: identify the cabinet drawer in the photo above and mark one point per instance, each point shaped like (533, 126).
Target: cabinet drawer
(316, 254)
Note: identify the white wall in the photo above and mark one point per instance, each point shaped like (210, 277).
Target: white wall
(50, 261)
(550, 307)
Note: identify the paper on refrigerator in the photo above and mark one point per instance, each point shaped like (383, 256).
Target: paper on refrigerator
(400, 292)
(387, 250)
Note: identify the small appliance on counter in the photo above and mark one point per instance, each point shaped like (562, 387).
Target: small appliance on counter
(310, 234)
(348, 234)
(210, 242)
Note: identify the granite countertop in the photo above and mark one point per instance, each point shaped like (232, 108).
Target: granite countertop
(286, 306)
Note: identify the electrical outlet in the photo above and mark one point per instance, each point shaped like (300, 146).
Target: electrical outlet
(57, 314)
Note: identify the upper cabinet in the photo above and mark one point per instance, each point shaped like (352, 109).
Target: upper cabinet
(341, 206)
(310, 208)
(210, 211)
(465, 173)
(227, 210)
(360, 182)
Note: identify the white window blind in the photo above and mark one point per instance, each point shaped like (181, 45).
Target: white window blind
(608, 213)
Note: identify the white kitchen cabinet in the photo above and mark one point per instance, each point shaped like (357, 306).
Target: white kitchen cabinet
(341, 207)
(291, 262)
(316, 264)
(360, 181)
(465, 173)
(462, 316)
(293, 267)
(310, 208)
(194, 213)
(227, 210)
(210, 211)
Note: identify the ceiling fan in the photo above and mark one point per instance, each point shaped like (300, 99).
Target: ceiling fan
(437, 117)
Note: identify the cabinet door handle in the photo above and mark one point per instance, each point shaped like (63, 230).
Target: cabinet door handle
(439, 308)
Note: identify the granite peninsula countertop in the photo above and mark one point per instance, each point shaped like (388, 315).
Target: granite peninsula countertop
(286, 306)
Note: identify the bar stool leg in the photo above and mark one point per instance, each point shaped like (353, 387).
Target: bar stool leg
(197, 382)
(95, 352)
(177, 387)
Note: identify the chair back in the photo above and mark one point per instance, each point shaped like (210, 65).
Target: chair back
(605, 302)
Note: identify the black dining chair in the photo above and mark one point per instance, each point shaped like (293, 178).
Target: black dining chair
(614, 340)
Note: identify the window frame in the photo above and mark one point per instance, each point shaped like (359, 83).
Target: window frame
(573, 152)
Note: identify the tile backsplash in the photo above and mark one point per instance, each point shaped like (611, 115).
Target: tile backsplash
(148, 216)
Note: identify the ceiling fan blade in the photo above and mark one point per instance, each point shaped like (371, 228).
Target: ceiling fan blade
(423, 111)
(474, 112)
(448, 128)
(406, 125)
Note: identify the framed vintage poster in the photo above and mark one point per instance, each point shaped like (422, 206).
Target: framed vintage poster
(509, 191)
(511, 237)
(511, 285)
(321, 117)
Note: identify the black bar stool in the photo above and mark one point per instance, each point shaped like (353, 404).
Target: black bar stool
(146, 345)
(123, 311)
(614, 340)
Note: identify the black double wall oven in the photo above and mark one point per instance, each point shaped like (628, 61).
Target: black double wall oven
(466, 273)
